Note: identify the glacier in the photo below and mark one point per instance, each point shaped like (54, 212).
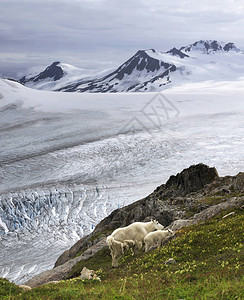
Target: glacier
(67, 159)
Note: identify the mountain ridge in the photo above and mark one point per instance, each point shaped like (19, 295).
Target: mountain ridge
(148, 70)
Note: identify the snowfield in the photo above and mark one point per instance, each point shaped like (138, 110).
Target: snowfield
(67, 159)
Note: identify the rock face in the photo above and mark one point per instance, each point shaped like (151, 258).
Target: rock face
(177, 52)
(210, 46)
(190, 180)
(53, 72)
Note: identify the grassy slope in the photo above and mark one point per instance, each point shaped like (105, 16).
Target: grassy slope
(209, 265)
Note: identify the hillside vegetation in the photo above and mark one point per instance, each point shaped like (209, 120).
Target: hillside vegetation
(209, 261)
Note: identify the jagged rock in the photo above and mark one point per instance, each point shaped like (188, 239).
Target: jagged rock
(210, 46)
(238, 182)
(208, 213)
(177, 52)
(190, 180)
(53, 71)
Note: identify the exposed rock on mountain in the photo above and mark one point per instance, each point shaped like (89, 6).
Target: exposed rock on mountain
(210, 46)
(136, 74)
(189, 180)
(177, 52)
(231, 46)
(53, 72)
(146, 71)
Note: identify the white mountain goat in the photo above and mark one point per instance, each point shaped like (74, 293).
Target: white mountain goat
(156, 237)
(117, 248)
(134, 232)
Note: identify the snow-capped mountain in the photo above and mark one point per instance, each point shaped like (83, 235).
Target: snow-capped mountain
(148, 70)
(54, 72)
(139, 73)
(210, 47)
(55, 76)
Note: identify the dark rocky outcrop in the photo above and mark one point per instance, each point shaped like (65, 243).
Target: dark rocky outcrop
(176, 52)
(189, 180)
(230, 46)
(209, 46)
(53, 71)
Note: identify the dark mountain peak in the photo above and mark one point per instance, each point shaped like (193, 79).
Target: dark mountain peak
(231, 47)
(144, 53)
(176, 52)
(206, 46)
(55, 63)
(53, 71)
(138, 62)
(210, 46)
(191, 179)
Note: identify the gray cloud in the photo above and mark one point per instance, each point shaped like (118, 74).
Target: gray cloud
(103, 33)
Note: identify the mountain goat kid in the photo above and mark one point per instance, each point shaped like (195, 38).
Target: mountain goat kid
(117, 248)
(156, 237)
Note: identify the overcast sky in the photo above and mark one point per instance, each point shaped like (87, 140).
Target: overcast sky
(100, 34)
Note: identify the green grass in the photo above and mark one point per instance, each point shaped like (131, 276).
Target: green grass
(209, 265)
